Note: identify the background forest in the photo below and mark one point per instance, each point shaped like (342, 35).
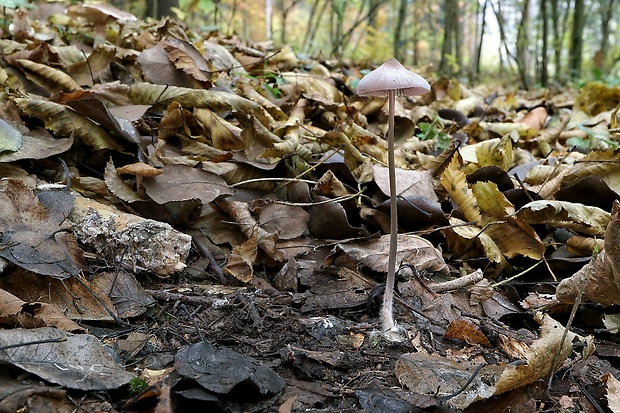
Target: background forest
(540, 41)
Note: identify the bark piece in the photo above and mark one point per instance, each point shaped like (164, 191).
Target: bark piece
(136, 243)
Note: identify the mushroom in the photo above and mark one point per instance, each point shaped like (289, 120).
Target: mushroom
(139, 170)
(391, 79)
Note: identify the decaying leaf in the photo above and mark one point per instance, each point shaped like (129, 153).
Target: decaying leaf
(54, 80)
(241, 214)
(599, 280)
(34, 232)
(15, 312)
(10, 138)
(181, 183)
(65, 122)
(412, 250)
(453, 179)
(582, 218)
(433, 374)
(75, 361)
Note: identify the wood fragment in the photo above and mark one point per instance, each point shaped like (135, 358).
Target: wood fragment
(136, 243)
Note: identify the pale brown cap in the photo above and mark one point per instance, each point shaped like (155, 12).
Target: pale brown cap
(391, 75)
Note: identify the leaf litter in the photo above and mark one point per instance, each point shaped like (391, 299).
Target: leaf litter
(216, 214)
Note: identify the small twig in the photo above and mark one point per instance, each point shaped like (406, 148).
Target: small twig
(569, 323)
(457, 283)
(100, 301)
(251, 181)
(167, 296)
(444, 399)
(33, 343)
(182, 306)
(207, 253)
(327, 201)
(507, 280)
(65, 170)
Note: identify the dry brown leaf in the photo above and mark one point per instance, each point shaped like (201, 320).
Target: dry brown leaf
(216, 100)
(117, 186)
(467, 331)
(65, 122)
(613, 392)
(286, 221)
(241, 260)
(599, 280)
(182, 183)
(54, 80)
(425, 374)
(34, 233)
(467, 241)
(412, 249)
(586, 219)
(407, 182)
(511, 235)
(223, 134)
(240, 213)
(187, 58)
(15, 312)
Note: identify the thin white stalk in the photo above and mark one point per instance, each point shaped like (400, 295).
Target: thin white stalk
(387, 317)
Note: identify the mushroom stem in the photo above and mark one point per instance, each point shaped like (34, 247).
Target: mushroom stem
(387, 317)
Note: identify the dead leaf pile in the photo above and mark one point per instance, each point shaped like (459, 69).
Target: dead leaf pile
(123, 143)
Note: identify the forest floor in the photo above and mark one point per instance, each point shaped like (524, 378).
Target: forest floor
(196, 223)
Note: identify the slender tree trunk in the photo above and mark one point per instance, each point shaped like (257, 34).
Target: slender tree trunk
(337, 18)
(415, 38)
(607, 8)
(544, 58)
(458, 36)
(557, 40)
(373, 6)
(576, 44)
(312, 29)
(359, 19)
(400, 21)
(309, 28)
(285, 9)
(480, 39)
(451, 50)
(504, 51)
(522, 57)
(269, 19)
(160, 8)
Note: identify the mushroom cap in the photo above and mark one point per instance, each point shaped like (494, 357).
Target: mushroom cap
(139, 169)
(391, 75)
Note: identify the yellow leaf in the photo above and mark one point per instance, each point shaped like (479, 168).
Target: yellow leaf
(491, 201)
(496, 152)
(453, 179)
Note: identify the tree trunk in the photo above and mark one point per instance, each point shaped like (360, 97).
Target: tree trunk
(337, 22)
(269, 19)
(480, 38)
(400, 21)
(606, 11)
(160, 8)
(544, 58)
(503, 44)
(286, 9)
(451, 53)
(315, 20)
(523, 58)
(373, 6)
(576, 44)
